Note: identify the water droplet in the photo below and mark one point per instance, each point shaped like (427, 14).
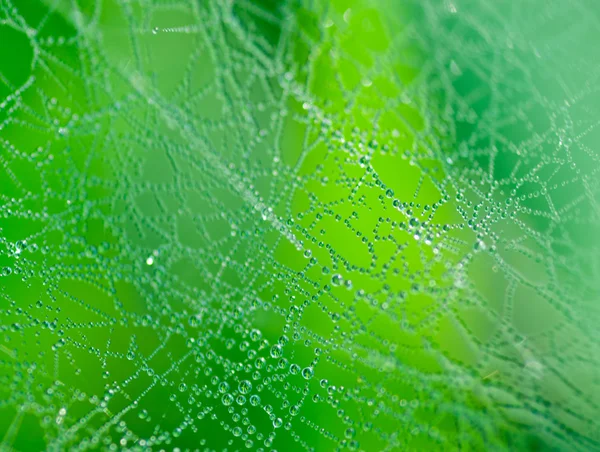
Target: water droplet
(276, 351)
(245, 386)
(227, 399)
(254, 400)
(337, 279)
(307, 373)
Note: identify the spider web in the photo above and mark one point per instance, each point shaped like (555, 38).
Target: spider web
(299, 225)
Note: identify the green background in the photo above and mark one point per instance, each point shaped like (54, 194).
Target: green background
(384, 215)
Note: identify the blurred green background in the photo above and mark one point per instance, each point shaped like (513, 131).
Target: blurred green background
(299, 225)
